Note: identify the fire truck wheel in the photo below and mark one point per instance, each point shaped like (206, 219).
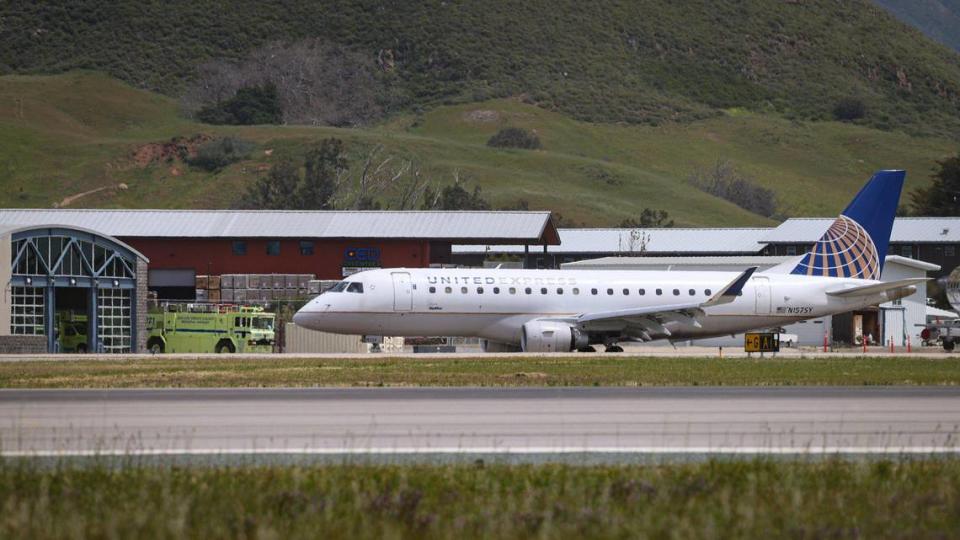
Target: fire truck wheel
(81, 348)
(948, 344)
(155, 346)
(225, 347)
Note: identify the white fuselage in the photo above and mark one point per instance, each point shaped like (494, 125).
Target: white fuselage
(494, 304)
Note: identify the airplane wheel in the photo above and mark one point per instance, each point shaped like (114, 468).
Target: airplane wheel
(948, 345)
(588, 348)
(614, 348)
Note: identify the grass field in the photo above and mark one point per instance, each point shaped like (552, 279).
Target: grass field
(739, 499)
(69, 134)
(545, 371)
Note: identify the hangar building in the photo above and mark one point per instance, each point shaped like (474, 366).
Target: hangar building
(51, 270)
(329, 244)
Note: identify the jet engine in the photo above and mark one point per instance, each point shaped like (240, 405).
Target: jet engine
(549, 336)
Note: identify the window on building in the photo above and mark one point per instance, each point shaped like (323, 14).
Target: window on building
(906, 251)
(949, 251)
(306, 247)
(791, 250)
(239, 247)
(273, 247)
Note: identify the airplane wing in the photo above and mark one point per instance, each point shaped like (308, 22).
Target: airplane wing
(644, 321)
(876, 288)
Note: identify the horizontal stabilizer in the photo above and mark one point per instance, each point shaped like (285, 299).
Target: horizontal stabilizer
(732, 290)
(876, 288)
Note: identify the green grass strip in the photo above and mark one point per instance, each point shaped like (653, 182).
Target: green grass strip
(491, 371)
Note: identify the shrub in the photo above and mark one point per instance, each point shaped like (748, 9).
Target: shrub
(849, 109)
(514, 138)
(251, 105)
(219, 153)
(726, 182)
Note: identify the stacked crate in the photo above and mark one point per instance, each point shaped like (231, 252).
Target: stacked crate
(263, 288)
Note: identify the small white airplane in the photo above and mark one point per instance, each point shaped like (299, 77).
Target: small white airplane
(565, 310)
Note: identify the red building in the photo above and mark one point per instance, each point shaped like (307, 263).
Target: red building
(183, 243)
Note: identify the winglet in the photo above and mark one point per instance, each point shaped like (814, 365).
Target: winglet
(732, 290)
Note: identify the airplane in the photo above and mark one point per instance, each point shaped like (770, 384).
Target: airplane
(568, 310)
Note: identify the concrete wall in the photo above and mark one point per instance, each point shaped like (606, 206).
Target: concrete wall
(23, 344)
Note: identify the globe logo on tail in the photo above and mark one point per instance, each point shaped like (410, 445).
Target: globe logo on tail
(845, 250)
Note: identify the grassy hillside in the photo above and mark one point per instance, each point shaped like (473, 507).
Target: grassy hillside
(637, 61)
(65, 135)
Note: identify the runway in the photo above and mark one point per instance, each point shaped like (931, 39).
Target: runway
(473, 421)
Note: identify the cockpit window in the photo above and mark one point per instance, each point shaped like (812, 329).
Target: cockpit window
(339, 287)
(356, 287)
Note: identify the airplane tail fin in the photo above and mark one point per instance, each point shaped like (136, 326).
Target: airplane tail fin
(856, 243)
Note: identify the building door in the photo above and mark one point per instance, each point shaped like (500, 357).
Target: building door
(402, 292)
(762, 287)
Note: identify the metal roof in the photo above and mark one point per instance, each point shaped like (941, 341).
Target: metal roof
(11, 229)
(505, 227)
(672, 240)
(916, 230)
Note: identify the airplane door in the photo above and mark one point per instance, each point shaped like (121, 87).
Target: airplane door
(402, 292)
(762, 287)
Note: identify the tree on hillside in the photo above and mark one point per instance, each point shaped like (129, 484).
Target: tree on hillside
(284, 189)
(649, 219)
(942, 197)
(324, 166)
(725, 181)
(251, 105)
(313, 82)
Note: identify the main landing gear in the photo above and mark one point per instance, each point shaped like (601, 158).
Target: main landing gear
(613, 347)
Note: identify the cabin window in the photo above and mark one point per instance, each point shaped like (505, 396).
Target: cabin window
(239, 247)
(513, 290)
(463, 290)
(692, 292)
(576, 290)
(642, 292)
(543, 290)
(559, 290)
(706, 292)
(593, 291)
(273, 248)
(339, 287)
(528, 290)
(659, 292)
(626, 292)
(433, 290)
(610, 291)
(355, 287)
(496, 290)
(448, 290)
(479, 290)
(676, 292)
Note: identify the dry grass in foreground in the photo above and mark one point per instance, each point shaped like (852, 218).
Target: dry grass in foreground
(495, 371)
(751, 499)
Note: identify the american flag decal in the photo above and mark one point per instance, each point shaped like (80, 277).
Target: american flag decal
(845, 250)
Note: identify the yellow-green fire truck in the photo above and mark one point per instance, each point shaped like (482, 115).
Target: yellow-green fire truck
(205, 328)
(71, 331)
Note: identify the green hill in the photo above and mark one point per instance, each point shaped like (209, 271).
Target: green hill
(639, 61)
(68, 135)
